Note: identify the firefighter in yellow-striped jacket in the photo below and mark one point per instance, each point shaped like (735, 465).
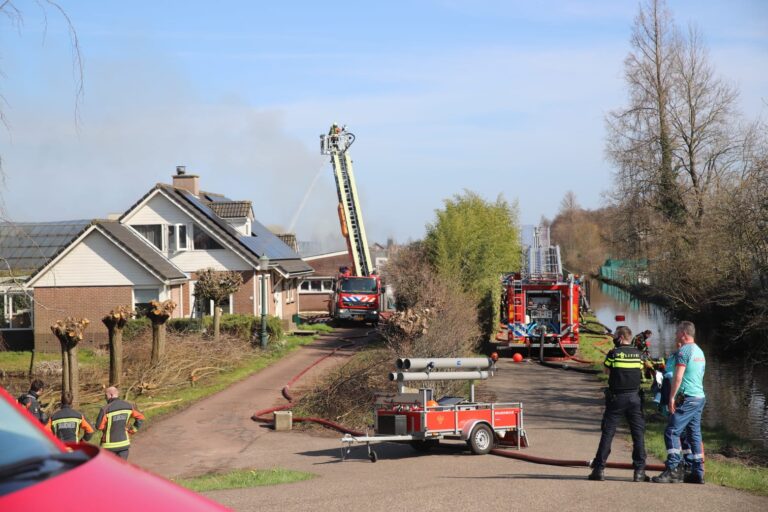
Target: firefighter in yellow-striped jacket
(68, 424)
(115, 424)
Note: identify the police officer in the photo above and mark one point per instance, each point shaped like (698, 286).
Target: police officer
(114, 423)
(31, 400)
(68, 424)
(624, 365)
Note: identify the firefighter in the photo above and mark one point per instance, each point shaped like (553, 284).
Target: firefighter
(641, 342)
(114, 423)
(622, 398)
(68, 424)
(31, 400)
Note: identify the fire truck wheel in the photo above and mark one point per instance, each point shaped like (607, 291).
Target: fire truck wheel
(424, 445)
(481, 439)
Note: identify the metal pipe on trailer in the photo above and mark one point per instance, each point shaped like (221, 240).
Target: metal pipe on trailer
(444, 363)
(412, 376)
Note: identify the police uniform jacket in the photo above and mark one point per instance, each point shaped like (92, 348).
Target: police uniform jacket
(626, 366)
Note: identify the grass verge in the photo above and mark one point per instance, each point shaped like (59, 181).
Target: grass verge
(315, 327)
(731, 461)
(19, 361)
(160, 404)
(243, 478)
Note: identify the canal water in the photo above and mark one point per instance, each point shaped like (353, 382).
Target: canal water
(736, 389)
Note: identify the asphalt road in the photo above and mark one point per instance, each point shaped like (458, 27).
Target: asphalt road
(562, 416)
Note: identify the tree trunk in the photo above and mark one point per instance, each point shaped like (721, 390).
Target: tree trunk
(158, 341)
(216, 322)
(65, 380)
(74, 377)
(31, 363)
(115, 356)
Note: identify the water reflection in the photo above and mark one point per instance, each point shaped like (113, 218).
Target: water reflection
(736, 390)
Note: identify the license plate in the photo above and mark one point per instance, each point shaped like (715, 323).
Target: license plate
(358, 317)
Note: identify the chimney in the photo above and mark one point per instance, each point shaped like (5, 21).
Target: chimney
(184, 181)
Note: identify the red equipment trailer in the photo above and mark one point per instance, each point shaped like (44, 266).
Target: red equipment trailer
(418, 419)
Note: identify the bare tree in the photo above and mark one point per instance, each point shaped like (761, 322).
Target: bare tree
(217, 287)
(702, 117)
(641, 141)
(69, 332)
(159, 313)
(115, 321)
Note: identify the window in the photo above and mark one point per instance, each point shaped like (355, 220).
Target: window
(359, 285)
(202, 241)
(142, 297)
(201, 307)
(177, 237)
(152, 232)
(316, 286)
(16, 310)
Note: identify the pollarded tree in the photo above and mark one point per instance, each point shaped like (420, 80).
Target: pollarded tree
(115, 321)
(69, 332)
(158, 314)
(217, 286)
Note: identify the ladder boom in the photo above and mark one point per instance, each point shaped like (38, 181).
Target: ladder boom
(336, 144)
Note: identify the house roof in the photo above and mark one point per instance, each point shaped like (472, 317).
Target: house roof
(27, 246)
(231, 209)
(31, 246)
(141, 250)
(261, 242)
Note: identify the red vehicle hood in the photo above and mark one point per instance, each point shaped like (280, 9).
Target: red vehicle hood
(105, 481)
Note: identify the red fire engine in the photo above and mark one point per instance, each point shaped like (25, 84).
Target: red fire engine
(539, 306)
(357, 291)
(415, 417)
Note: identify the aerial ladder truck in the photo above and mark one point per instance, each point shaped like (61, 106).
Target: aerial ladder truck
(356, 291)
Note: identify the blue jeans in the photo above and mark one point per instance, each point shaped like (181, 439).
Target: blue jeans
(687, 421)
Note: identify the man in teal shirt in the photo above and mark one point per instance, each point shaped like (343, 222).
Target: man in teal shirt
(686, 402)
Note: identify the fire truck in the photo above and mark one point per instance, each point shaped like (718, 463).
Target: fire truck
(539, 305)
(356, 291)
(418, 417)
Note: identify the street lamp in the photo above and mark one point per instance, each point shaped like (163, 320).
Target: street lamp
(264, 267)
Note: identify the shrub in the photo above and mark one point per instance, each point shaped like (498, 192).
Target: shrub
(185, 325)
(135, 328)
(246, 327)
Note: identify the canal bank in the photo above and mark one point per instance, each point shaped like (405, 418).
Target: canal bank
(735, 418)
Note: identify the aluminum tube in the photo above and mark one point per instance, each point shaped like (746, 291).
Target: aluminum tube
(444, 363)
(410, 376)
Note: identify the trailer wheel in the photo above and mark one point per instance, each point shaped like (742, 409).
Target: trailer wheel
(481, 439)
(373, 456)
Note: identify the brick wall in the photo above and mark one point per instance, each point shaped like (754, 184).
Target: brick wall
(329, 266)
(244, 297)
(91, 302)
(315, 302)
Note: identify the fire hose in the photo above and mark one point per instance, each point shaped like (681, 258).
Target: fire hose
(260, 416)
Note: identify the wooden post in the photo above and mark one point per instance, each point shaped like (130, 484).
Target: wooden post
(31, 364)
(216, 322)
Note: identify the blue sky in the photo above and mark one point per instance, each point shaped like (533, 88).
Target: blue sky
(492, 96)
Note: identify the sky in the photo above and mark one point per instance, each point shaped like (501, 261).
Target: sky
(504, 98)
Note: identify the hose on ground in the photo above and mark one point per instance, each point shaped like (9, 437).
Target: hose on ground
(261, 415)
(567, 463)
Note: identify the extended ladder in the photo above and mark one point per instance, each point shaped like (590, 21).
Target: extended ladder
(336, 144)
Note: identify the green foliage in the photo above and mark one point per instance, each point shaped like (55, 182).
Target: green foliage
(185, 325)
(242, 478)
(135, 327)
(474, 241)
(247, 326)
(216, 286)
(275, 328)
(315, 327)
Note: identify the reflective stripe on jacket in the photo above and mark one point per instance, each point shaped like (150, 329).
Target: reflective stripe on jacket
(70, 425)
(626, 365)
(114, 422)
